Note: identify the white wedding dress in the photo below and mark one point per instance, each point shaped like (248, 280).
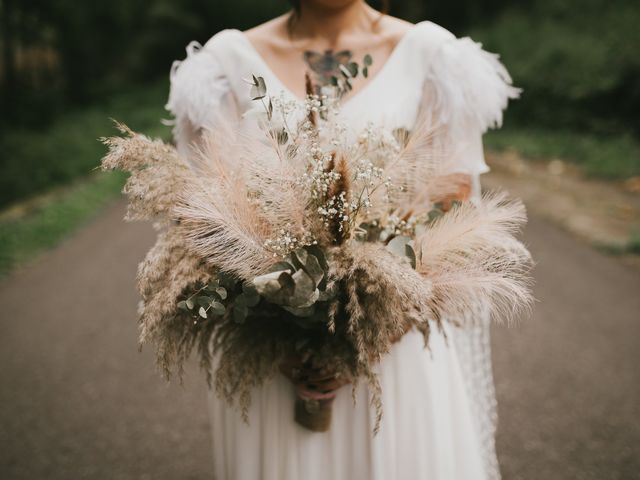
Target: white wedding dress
(439, 404)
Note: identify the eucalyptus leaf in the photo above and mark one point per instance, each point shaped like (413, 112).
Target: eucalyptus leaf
(345, 71)
(295, 260)
(397, 245)
(182, 305)
(353, 68)
(411, 253)
(280, 266)
(190, 303)
(222, 292)
(217, 308)
(277, 287)
(313, 269)
(204, 300)
(367, 60)
(317, 252)
(259, 88)
(305, 292)
(301, 256)
(365, 72)
(202, 312)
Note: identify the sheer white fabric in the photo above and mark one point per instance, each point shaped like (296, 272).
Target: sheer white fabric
(439, 403)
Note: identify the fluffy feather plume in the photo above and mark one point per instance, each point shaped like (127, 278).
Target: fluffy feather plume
(471, 256)
(274, 183)
(222, 226)
(316, 238)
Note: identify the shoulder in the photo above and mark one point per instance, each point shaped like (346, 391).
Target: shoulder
(198, 81)
(468, 83)
(393, 29)
(431, 38)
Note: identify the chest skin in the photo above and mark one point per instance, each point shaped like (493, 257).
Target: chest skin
(289, 61)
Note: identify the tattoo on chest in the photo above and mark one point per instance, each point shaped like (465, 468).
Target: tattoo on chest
(326, 65)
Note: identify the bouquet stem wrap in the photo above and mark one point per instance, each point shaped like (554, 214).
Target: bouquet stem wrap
(313, 414)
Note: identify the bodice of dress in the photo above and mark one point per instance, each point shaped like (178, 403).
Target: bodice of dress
(463, 88)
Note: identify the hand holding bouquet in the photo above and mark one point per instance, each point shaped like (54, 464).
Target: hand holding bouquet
(300, 241)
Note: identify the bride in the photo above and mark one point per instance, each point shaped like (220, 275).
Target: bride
(439, 403)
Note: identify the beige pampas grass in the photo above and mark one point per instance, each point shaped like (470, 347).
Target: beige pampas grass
(157, 173)
(471, 255)
(243, 204)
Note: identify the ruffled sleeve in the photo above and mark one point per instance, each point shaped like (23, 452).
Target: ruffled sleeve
(466, 89)
(198, 90)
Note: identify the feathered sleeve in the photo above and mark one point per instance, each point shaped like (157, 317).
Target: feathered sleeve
(199, 89)
(466, 90)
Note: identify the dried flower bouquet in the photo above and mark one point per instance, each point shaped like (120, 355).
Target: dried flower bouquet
(300, 241)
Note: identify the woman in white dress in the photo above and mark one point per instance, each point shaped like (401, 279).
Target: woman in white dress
(439, 404)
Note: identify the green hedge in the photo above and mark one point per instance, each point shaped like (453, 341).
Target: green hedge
(34, 161)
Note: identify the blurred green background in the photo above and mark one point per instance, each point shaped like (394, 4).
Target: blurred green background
(66, 67)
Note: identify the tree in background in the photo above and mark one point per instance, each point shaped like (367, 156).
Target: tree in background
(576, 59)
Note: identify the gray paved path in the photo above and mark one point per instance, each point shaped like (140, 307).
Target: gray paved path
(77, 400)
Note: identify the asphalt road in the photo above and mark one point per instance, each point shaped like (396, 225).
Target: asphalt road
(77, 400)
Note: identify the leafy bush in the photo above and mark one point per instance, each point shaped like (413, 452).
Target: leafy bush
(607, 156)
(34, 161)
(576, 60)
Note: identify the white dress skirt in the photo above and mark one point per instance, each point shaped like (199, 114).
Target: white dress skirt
(439, 403)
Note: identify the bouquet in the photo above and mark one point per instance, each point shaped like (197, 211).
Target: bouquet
(300, 240)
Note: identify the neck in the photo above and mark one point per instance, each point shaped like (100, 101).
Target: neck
(330, 23)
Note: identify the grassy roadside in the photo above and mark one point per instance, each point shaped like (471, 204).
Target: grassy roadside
(607, 157)
(60, 161)
(602, 162)
(53, 218)
(36, 161)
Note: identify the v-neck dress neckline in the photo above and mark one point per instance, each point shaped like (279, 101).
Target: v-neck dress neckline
(393, 57)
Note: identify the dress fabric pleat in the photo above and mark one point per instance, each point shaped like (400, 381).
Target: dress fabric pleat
(427, 431)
